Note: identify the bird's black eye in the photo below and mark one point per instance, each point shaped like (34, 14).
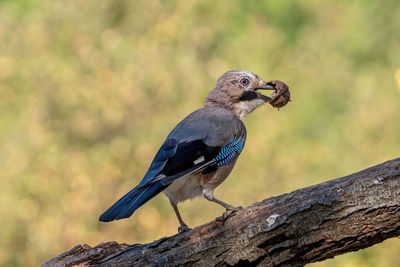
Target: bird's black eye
(244, 81)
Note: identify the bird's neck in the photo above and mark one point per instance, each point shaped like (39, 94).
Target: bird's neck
(239, 108)
(225, 105)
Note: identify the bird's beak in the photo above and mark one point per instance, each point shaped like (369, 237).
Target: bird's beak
(267, 87)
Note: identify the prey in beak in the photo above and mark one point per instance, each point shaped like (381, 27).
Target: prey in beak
(280, 97)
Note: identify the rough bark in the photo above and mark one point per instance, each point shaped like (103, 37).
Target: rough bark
(307, 225)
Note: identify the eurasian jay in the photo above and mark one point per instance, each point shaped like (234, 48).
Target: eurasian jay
(201, 150)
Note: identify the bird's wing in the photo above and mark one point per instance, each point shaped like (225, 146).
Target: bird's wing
(202, 140)
(205, 137)
(178, 158)
(195, 156)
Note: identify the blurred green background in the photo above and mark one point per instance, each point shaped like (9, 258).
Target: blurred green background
(90, 89)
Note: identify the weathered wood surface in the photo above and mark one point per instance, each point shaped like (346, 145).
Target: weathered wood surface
(307, 225)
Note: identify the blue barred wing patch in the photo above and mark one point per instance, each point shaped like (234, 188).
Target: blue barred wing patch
(229, 150)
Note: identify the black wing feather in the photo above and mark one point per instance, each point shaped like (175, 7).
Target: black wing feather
(186, 154)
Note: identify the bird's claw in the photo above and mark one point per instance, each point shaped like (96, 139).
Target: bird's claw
(228, 213)
(183, 228)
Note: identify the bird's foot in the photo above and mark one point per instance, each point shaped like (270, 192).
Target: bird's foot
(228, 213)
(183, 228)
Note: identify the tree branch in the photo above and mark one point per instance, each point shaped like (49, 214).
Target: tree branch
(307, 225)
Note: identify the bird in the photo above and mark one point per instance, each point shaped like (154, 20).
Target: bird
(201, 151)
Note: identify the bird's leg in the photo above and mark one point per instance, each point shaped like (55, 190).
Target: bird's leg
(229, 208)
(209, 195)
(223, 204)
(183, 226)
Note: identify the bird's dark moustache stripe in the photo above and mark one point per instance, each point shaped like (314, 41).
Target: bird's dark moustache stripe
(248, 95)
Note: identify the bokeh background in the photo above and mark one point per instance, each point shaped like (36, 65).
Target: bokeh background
(90, 89)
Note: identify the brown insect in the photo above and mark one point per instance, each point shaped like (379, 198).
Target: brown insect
(281, 96)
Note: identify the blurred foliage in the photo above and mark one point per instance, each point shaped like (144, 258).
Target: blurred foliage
(90, 89)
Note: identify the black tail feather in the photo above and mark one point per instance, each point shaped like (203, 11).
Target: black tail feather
(139, 195)
(127, 205)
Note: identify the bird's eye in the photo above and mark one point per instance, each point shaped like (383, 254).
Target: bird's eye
(244, 81)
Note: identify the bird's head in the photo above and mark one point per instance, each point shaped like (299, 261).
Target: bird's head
(238, 91)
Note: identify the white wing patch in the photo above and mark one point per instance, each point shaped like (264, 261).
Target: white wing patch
(199, 160)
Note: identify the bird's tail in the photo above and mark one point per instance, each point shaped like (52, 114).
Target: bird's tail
(127, 205)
